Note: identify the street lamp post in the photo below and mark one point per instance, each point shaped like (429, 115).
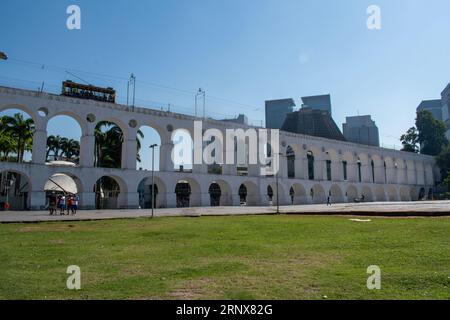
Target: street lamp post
(276, 178)
(153, 146)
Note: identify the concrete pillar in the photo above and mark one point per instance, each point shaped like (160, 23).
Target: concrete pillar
(337, 171)
(352, 172)
(236, 200)
(299, 169)
(165, 157)
(411, 173)
(87, 201)
(129, 151)
(366, 173)
(379, 174)
(39, 146)
(205, 200)
(391, 174)
(171, 199)
(128, 200)
(87, 151)
(283, 173)
(37, 200)
(319, 165)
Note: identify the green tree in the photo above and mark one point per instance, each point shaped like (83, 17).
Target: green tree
(22, 131)
(410, 140)
(431, 136)
(443, 161)
(108, 145)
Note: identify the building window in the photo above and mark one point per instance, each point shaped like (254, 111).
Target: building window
(310, 157)
(344, 168)
(359, 171)
(329, 170)
(290, 155)
(373, 170)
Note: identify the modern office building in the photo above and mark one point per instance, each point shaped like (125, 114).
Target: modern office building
(440, 108)
(312, 122)
(434, 106)
(445, 95)
(322, 102)
(276, 112)
(362, 130)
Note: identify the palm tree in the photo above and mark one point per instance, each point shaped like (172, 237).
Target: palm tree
(53, 145)
(108, 145)
(21, 130)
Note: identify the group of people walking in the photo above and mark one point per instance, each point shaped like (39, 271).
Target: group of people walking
(65, 204)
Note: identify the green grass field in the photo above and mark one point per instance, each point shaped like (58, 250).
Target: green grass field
(252, 257)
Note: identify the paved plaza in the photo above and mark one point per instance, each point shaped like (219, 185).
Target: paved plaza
(399, 209)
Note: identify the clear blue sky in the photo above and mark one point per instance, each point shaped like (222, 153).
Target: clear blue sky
(246, 51)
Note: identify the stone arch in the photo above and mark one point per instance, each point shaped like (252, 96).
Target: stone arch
(188, 193)
(367, 193)
(147, 136)
(109, 156)
(81, 122)
(144, 189)
(29, 147)
(15, 189)
(226, 194)
(351, 193)
(392, 193)
(252, 195)
(110, 192)
(336, 194)
(318, 194)
(59, 145)
(30, 111)
(299, 195)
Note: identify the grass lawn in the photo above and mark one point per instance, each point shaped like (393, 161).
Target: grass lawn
(251, 257)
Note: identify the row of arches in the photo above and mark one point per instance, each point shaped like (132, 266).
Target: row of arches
(111, 192)
(327, 164)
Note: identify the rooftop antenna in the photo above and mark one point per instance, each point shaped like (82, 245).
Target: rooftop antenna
(131, 82)
(201, 93)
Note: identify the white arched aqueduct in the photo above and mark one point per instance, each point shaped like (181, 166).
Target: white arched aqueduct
(311, 168)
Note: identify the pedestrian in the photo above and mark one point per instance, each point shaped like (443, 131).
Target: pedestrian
(329, 201)
(62, 205)
(69, 204)
(52, 204)
(74, 206)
